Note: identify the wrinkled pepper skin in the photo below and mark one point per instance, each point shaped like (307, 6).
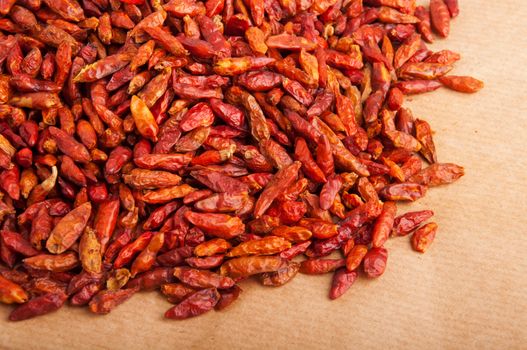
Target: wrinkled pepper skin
(38, 306)
(251, 265)
(196, 304)
(69, 229)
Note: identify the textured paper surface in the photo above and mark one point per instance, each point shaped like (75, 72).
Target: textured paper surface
(467, 292)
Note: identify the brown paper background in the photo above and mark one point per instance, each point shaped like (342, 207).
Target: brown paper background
(467, 292)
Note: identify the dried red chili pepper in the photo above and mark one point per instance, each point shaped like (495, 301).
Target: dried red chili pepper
(406, 191)
(355, 256)
(309, 166)
(384, 224)
(38, 306)
(212, 247)
(320, 266)
(281, 181)
(11, 292)
(69, 229)
(329, 190)
(462, 83)
(408, 222)
(265, 246)
(17, 243)
(250, 265)
(411, 87)
(453, 7)
(69, 146)
(90, 253)
(375, 262)
(55, 263)
(440, 17)
(202, 279)
(131, 249)
(209, 262)
(152, 279)
(176, 292)
(195, 305)
(438, 174)
(280, 277)
(147, 257)
(106, 300)
(223, 202)
(424, 26)
(219, 225)
(342, 281)
(424, 236)
(144, 120)
(141, 179)
(292, 233)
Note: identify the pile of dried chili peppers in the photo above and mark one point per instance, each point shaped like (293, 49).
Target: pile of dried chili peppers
(186, 146)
